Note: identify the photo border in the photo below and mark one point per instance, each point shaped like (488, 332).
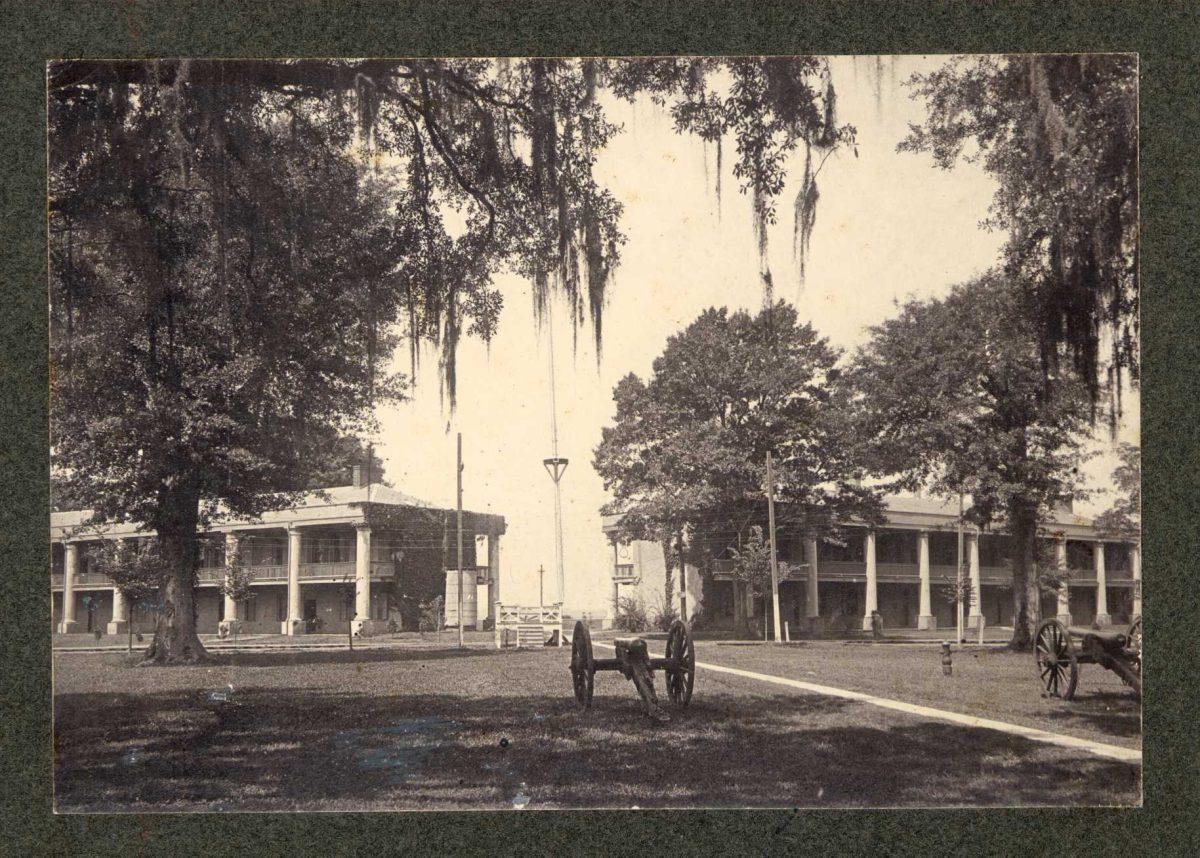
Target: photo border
(1164, 36)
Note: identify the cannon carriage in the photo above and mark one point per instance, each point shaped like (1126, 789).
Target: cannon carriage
(1060, 650)
(634, 662)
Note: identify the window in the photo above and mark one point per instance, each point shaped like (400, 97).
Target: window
(250, 610)
(281, 607)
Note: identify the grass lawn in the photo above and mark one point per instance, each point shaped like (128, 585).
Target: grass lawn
(988, 682)
(423, 729)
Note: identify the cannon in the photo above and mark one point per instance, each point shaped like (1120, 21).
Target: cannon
(634, 662)
(1060, 650)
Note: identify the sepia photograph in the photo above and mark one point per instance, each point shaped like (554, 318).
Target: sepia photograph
(544, 433)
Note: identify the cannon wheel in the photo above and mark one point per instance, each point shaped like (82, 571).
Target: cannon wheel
(1058, 666)
(583, 665)
(1135, 638)
(680, 651)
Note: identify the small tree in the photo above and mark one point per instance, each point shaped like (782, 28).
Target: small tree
(136, 568)
(235, 584)
(751, 567)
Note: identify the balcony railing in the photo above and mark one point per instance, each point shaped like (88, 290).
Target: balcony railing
(82, 579)
(722, 570)
(340, 571)
(624, 572)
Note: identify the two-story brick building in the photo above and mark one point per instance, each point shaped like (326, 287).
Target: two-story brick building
(362, 554)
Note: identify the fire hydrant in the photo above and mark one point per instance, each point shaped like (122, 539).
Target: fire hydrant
(947, 665)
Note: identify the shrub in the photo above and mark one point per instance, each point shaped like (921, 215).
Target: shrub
(431, 615)
(663, 617)
(631, 615)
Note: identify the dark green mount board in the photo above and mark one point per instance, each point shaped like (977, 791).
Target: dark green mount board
(1165, 37)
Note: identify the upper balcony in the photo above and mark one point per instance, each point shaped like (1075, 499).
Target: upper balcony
(210, 576)
(624, 573)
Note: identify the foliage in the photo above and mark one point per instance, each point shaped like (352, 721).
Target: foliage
(954, 589)
(751, 564)
(951, 398)
(631, 615)
(1059, 134)
(1124, 517)
(771, 107)
(345, 453)
(664, 615)
(135, 566)
(236, 245)
(433, 616)
(235, 577)
(688, 449)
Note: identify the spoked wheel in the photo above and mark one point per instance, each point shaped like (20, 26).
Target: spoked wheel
(1057, 663)
(681, 652)
(1134, 646)
(583, 666)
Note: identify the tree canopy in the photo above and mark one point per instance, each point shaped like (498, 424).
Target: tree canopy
(1124, 517)
(688, 447)
(950, 398)
(237, 245)
(1059, 134)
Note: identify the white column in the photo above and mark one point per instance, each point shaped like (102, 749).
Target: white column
(362, 581)
(813, 606)
(232, 620)
(974, 615)
(1135, 569)
(118, 623)
(70, 568)
(493, 561)
(872, 601)
(1102, 616)
(1064, 590)
(925, 618)
(293, 625)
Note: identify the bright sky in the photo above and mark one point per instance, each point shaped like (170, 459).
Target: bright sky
(888, 226)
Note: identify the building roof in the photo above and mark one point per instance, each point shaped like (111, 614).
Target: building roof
(336, 505)
(918, 512)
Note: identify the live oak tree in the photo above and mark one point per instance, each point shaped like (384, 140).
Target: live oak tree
(951, 397)
(1059, 134)
(235, 246)
(687, 451)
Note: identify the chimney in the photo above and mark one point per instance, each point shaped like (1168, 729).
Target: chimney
(358, 476)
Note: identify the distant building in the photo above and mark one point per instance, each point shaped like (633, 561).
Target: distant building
(317, 566)
(903, 570)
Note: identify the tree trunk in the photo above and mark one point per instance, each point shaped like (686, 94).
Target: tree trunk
(1023, 524)
(175, 639)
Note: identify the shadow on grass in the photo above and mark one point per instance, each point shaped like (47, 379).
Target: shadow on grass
(302, 748)
(298, 657)
(1115, 713)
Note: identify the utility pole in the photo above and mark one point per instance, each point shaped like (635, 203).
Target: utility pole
(460, 547)
(555, 465)
(958, 590)
(774, 558)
